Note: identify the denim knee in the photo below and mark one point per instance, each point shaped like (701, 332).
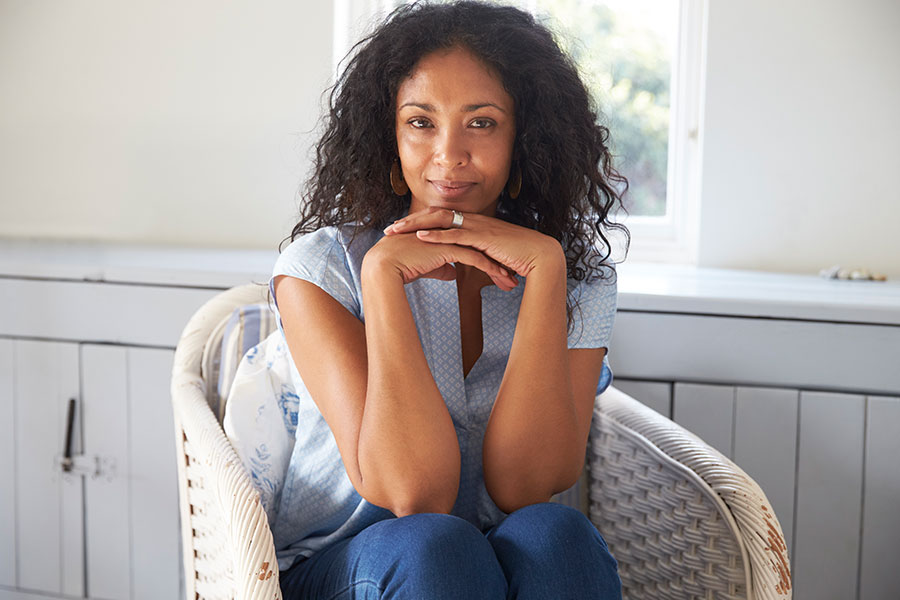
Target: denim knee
(421, 533)
(550, 547)
(555, 522)
(441, 554)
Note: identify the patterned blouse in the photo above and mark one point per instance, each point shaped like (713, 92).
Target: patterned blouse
(288, 448)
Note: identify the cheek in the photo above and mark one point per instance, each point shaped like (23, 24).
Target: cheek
(411, 150)
(499, 157)
(503, 146)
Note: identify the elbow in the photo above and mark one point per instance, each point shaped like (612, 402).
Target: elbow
(415, 506)
(410, 497)
(510, 498)
(439, 499)
(410, 475)
(512, 492)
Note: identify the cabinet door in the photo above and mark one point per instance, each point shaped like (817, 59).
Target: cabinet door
(879, 575)
(49, 507)
(657, 395)
(765, 446)
(7, 467)
(829, 495)
(132, 511)
(707, 411)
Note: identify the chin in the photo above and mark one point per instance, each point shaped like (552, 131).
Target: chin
(462, 203)
(465, 205)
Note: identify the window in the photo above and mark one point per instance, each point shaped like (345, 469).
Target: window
(642, 60)
(354, 19)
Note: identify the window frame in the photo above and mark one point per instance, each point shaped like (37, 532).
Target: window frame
(352, 20)
(674, 237)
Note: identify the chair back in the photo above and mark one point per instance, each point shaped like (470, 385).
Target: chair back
(245, 327)
(227, 545)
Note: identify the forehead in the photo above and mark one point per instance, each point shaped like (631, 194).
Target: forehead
(453, 77)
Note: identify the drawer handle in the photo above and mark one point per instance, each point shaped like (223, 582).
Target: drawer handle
(70, 425)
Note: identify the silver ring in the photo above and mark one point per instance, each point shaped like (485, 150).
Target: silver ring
(457, 220)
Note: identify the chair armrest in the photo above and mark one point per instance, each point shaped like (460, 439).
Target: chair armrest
(227, 543)
(681, 518)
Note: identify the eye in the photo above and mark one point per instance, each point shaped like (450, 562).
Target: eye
(420, 123)
(482, 123)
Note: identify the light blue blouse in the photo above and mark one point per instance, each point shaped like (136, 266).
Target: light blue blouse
(317, 505)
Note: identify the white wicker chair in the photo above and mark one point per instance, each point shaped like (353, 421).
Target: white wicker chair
(682, 520)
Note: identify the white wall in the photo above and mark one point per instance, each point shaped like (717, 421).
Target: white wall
(180, 122)
(802, 135)
(158, 121)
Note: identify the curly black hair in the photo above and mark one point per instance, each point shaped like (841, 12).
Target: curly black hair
(569, 185)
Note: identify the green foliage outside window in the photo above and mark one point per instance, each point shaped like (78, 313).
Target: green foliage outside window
(627, 67)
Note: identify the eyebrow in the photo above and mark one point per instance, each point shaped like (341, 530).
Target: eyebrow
(467, 108)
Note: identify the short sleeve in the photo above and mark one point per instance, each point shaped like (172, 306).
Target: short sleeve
(321, 259)
(594, 313)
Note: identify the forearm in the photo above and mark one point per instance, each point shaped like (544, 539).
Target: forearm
(408, 452)
(532, 448)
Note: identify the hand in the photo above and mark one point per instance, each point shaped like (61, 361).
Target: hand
(518, 248)
(413, 258)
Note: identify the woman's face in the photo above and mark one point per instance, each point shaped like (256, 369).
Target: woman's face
(455, 129)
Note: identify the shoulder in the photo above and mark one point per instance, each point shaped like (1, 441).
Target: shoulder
(331, 259)
(313, 246)
(598, 279)
(597, 293)
(325, 249)
(595, 300)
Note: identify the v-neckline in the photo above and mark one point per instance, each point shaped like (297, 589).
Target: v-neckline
(447, 342)
(462, 363)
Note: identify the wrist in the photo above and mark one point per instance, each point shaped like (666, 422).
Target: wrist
(551, 260)
(378, 268)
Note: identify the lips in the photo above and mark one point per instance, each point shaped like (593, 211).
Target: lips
(451, 189)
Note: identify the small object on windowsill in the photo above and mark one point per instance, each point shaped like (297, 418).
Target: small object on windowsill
(836, 272)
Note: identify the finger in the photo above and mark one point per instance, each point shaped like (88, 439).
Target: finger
(465, 238)
(432, 218)
(419, 220)
(499, 275)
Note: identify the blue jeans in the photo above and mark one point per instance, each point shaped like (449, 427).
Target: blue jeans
(543, 551)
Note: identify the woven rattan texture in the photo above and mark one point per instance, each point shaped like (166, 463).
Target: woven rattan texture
(669, 538)
(213, 577)
(741, 503)
(227, 543)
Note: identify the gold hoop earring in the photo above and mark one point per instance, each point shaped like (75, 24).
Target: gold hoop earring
(397, 183)
(514, 187)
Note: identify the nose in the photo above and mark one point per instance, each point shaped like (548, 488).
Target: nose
(450, 150)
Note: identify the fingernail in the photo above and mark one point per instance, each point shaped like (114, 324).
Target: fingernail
(424, 233)
(388, 228)
(502, 270)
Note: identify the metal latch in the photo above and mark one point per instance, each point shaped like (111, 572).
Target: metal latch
(80, 464)
(83, 464)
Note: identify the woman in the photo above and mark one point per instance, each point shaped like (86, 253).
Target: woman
(446, 305)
